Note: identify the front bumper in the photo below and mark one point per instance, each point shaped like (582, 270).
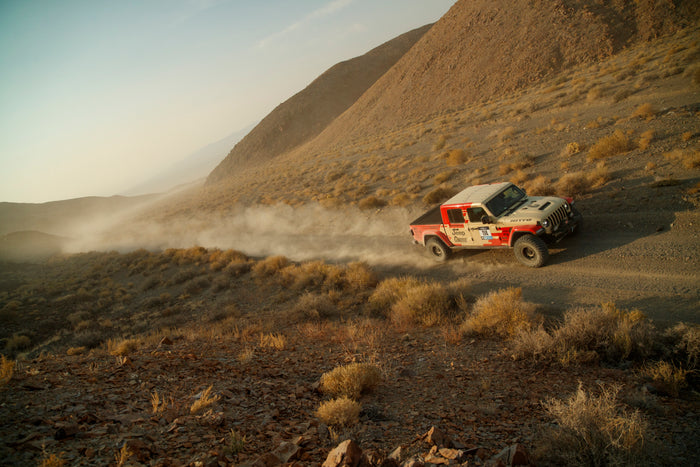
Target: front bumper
(565, 227)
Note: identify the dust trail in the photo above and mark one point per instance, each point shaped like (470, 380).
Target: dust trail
(300, 233)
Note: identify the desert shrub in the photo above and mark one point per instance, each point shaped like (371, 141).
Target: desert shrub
(440, 143)
(269, 266)
(156, 301)
(645, 139)
(236, 268)
(456, 157)
(17, 342)
(594, 430)
(686, 136)
(645, 111)
(442, 177)
(683, 340)
(580, 183)
(197, 285)
(123, 347)
(7, 369)
(689, 158)
(388, 292)
(183, 275)
(501, 313)
(427, 304)
(587, 335)
(350, 380)
(538, 186)
(668, 377)
(312, 305)
(273, 341)
(572, 148)
(371, 202)
(90, 339)
(359, 276)
(203, 400)
(439, 195)
(339, 412)
(608, 146)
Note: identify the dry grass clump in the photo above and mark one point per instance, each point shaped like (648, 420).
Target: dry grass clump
(501, 313)
(7, 369)
(312, 306)
(594, 430)
(572, 148)
(538, 186)
(339, 412)
(388, 292)
(17, 342)
(273, 341)
(587, 335)
(358, 277)
(668, 377)
(122, 348)
(350, 380)
(616, 143)
(371, 202)
(440, 142)
(205, 399)
(645, 111)
(689, 158)
(439, 195)
(426, 304)
(456, 157)
(269, 266)
(579, 183)
(683, 340)
(645, 139)
(442, 177)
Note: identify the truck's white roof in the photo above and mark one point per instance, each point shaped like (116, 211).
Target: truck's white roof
(477, 193)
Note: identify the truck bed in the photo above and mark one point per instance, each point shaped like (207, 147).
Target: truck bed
(431, 217)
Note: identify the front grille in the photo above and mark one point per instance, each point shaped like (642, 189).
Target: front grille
(557, 217)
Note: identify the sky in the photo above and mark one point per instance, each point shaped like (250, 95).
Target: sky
(97, 96)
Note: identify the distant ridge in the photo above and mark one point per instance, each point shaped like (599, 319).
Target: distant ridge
(308, 112)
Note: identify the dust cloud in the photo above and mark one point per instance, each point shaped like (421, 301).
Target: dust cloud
(310, 232)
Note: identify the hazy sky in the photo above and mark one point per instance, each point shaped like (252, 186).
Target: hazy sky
(99, 95)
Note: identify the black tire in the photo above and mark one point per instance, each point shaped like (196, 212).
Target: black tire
(437, 249)
(531, 251)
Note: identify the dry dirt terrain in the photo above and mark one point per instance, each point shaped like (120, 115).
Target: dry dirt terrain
(261, 284)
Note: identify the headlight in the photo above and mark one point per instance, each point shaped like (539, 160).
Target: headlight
(568, 207)
(545, 223)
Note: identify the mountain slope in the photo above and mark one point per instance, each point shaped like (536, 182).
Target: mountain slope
(482, 49)
(307, 113)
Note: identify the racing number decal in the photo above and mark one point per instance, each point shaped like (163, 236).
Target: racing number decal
(485, 233)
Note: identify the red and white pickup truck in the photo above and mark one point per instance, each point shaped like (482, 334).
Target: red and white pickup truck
(498, 215)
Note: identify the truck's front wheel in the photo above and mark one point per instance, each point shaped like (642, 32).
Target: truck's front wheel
(439, 250)
(531, 251)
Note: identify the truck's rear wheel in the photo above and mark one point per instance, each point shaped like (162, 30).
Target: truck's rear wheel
(531, 251)
(439, 250)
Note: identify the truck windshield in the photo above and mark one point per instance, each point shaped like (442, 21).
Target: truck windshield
(505, 200)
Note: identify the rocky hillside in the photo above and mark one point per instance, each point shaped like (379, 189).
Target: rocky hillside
(487, 48)
(307, 113)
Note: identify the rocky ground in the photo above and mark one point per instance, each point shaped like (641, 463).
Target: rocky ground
(85, 408)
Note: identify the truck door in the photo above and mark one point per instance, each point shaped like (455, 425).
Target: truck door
(481, 233)
(455, 228)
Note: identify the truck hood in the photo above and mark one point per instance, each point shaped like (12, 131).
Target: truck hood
(535, 208)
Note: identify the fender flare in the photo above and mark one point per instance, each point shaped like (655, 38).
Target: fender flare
(521, 230)
(443, 238)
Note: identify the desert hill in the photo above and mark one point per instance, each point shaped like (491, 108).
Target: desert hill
(479, 50)
(307, 113)
(484, 49)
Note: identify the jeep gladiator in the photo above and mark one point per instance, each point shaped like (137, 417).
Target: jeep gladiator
(498, 215)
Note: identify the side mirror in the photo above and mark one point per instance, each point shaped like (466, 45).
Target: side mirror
(485, 219)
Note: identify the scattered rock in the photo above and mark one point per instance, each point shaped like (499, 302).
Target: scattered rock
(346, 454)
